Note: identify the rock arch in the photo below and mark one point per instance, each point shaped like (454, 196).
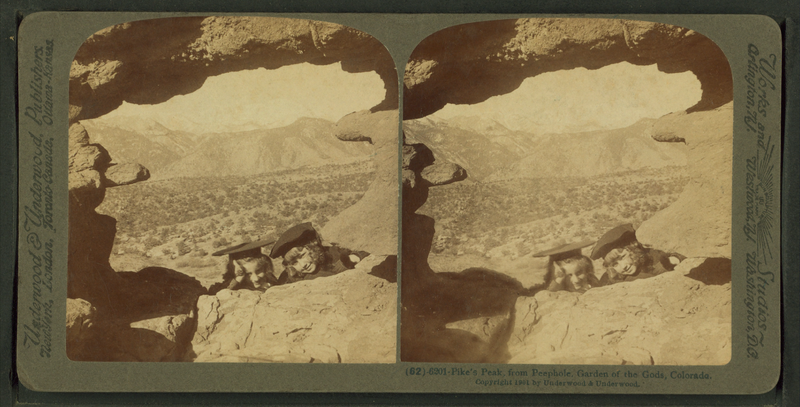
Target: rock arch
(120, 63)
(469, 63)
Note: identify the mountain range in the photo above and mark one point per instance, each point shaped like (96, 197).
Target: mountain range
(489, 151)
(170, 153)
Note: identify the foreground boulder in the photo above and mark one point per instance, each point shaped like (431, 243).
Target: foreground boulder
(671, 319)
(347, 318)
(681, 317)
(150, 318)
(698, 224)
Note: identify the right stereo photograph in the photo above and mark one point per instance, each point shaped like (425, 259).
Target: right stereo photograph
(567, 195)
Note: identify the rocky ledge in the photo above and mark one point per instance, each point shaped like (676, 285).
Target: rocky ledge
(347, 318)
(681, 317)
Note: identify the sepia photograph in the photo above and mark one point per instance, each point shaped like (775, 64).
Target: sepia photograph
(567, 195)
(284, 205)
(232, 193)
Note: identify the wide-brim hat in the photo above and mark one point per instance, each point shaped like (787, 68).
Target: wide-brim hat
(298, 235)
(619, 236)
(565, 251)
(246, 249)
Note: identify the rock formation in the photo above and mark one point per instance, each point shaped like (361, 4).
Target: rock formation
(671, 319)
(125, 174)
(80, 315)
(470, 63)
(321, 320)
(480, 316)
(151, 315)
(91, 235)
(698, 224)
(120, 63)
(486, 316)
(681, 317)
(371, 223)
(444, 173)
(501, 54)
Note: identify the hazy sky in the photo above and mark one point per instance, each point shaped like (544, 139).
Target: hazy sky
(576, 100)
(245, 100)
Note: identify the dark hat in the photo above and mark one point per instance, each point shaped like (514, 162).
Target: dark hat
(619, 236)
(564, 251)
(297, 235)
(241, 250)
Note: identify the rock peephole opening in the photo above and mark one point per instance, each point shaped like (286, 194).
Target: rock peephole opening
(510, 149)
(230, 129)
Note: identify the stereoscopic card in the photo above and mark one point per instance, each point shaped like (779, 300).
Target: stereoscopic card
(399, 203)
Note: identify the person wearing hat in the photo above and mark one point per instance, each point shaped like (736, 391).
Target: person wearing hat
(625, 259)
(568, 269)
(305, 258)
(247, 268)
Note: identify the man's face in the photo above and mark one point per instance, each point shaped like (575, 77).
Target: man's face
(621, 261)
(576, 276)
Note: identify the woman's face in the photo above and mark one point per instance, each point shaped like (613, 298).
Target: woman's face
(575, 274)
(300, 259)
(253, 270)
(621, 261)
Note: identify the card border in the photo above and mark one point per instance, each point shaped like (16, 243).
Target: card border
(162, 376)
(788, 193)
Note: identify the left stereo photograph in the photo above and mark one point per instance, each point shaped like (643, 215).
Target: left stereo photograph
(232, 193)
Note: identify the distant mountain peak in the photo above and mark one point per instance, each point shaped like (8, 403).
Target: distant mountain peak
(491, 151)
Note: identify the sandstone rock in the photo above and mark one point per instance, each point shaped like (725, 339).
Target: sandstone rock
(77, 136)
(86, 165)
(125, 174)
(91, 238)
(91, 156)
(417, 240)
(379, 128)
(485, 328)
(156, 339)
(87, 188)
(444, 173)
(156, 290)
(416, 157)
(146, 316)
(80, 318)
(107, 67)
(415, 192)
(698, 223)
(348, 318)
(666, 320)
(371, 223)
(409, 179)
(502, 53)
(464, 317)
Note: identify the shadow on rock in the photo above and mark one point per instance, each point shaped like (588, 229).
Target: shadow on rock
(155, 292)
(157, 341)
(465, 317)
(387, 270)
(713, 271)
(150, 318)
